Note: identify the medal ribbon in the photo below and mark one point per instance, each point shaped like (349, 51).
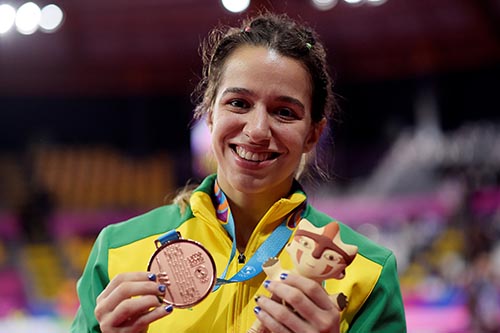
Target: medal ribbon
(270, 248)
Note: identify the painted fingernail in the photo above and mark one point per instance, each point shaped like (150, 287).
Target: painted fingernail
(256, 298)
(152, 277)
(283, 276)
(256, 310)
(160, 299)
(266, 283)
(162, 288)
(169, 308)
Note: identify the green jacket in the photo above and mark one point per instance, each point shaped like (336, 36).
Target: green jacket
(371, 282)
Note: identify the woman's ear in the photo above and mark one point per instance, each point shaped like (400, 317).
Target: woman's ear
(314, 135)
(209, 120)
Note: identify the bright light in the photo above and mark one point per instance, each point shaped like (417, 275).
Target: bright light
(236, 6)
(7, 18)
(354, 2)
(52, 17)
(324, 4)
(376, 2)
(27, 18)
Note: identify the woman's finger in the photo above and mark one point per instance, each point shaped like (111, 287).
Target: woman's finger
(155, 314)
(272, 314)
(133, 308)
(124, 277)
(126, 291)
(312, 289)
(293, 298)
(312, 309)
(134, 314)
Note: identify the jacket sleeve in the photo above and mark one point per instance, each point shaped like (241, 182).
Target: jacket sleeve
(92, 282)
(383, 311)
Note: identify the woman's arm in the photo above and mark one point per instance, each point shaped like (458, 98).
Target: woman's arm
(383, 311)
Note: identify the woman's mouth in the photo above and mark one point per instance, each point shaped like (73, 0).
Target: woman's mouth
(253, 156)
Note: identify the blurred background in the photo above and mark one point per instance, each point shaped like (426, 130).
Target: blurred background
(95, 128)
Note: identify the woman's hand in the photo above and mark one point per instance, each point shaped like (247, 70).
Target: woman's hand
(130, 302)
(298, 304)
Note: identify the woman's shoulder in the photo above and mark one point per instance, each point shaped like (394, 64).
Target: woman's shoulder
(366, 247)
(153, 222)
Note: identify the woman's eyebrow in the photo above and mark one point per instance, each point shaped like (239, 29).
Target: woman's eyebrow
(237, 90)
(291, 100)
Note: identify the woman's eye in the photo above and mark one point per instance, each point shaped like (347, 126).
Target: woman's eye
(286, 113)
(238, 103)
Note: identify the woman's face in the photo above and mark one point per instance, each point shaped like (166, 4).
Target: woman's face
(261, 121)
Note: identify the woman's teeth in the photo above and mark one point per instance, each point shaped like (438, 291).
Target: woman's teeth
(250, 156)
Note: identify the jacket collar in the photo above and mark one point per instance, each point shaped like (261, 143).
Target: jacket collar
(203, 203)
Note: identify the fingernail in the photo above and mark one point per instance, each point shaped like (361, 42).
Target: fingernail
(152, 277)
(160, 299)
(266, 283)
(256, 298)
(256, 309)
(283, 276)
(162, 288)
(169, 308)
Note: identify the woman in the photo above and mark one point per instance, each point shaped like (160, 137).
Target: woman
(266, 94)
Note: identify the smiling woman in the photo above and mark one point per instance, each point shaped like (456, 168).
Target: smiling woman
(261, 125)
(267, 95)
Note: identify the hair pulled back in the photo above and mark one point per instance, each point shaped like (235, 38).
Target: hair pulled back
(277, 32)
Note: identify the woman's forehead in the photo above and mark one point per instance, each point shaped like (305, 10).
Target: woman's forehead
(257, 68)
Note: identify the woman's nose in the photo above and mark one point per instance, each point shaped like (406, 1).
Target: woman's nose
(258, 126)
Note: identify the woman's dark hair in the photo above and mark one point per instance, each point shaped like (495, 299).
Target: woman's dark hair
(277, 32)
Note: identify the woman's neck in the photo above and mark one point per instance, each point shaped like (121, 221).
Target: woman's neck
(247, 211)
(249, 208)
